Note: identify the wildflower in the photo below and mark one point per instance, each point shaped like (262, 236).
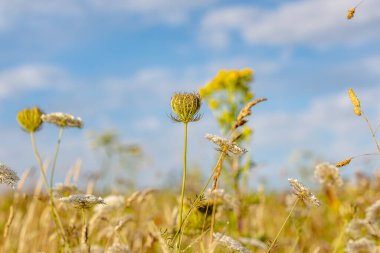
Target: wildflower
(225, 144)
(358, 228)
(8, 176)
(361, 245)
(83, 201)
(328, 174)
(373, 215)
(62, 119)
(303, 193)
(230, 243)
(30, 119)
(64, 190)
(350, 13)
(186, 107)
(343, 163)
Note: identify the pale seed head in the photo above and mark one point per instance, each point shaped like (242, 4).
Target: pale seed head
(30, 119)
(83, 201)
(226, 145)
(61, 119)
(186, 107)
(361, 245)
(8, 176)
(303, 193)
(328, 174)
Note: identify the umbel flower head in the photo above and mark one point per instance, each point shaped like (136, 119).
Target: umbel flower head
(361, 245)
(186, 107)
(61, 119)
(8, 176)
(226, 145)
(30, 119)
(83, 201)
(303, 193)
(328, 174)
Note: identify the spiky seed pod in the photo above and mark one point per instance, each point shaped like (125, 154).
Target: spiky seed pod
(61, 119)
(8, 176)
(83, 201)
(186, 107)
(30, 119)
(303, 193)
(350, 13)
(354, 99)
(343, 163)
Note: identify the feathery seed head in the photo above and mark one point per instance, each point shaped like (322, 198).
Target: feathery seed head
(373, 215)
(226, 145)
(8, 176)
(328, 174)
(83, 201)
(30, 119)
(303, 193)
(186, 107)
(361, 245)
(230, 243)
(343, 163)
(358, 228)
(350, 13)
(61, 119)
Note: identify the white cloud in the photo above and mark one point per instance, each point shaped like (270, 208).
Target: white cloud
(311, 22)
(30, 77)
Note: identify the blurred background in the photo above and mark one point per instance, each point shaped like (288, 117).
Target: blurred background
(116, 64)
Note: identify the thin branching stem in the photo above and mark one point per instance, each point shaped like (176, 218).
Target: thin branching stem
(283, 226)
(372, 132)
(56, 156)
(54, 211)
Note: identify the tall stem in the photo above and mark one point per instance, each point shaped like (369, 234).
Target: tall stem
(56, 219)
(283, 225)
(56, 156)
(183, 185)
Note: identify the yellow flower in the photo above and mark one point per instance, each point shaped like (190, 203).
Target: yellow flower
(30, 119)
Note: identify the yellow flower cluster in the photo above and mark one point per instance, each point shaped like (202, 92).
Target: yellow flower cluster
(231, 80)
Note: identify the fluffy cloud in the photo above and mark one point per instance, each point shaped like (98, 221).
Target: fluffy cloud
(312, 22)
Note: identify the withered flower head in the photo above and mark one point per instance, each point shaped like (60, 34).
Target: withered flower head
(361, 245)
(186, 107)
(328, 174)
(64, 190)
(83, 201)
(61, 119)
(226, 145)
(30, 119)
(303, 193)
(8, 176)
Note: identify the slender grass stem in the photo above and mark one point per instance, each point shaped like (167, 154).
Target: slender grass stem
(372, 132)
(183, 185)
(56, 219)
(85, 232)
(283, 226)
(56, 156)
(220, 159)
(339, 240)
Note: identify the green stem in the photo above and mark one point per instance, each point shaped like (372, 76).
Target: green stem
(222, 154)
(56, 219)
(56, 156)
(283, 226)
(183, 185)
(340, 237)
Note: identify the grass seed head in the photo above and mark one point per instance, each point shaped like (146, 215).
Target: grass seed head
(358, 111)
(328, 174)
(61, 119)
(8, 176)
(303, 193)
(83, 201)
(225, 144)
(350, 13)
(354, 99)
(186, 107)
(30, 119)
(343, 163)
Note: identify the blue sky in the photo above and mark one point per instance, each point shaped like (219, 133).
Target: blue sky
(116, 64)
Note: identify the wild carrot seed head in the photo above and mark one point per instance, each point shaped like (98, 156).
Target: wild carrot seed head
(186, 107)
(328, 174)
(61, 119)
(361, 245)
(225, 144)
(83, 201)
(8, 176)
(30, 119)
(303, 193)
